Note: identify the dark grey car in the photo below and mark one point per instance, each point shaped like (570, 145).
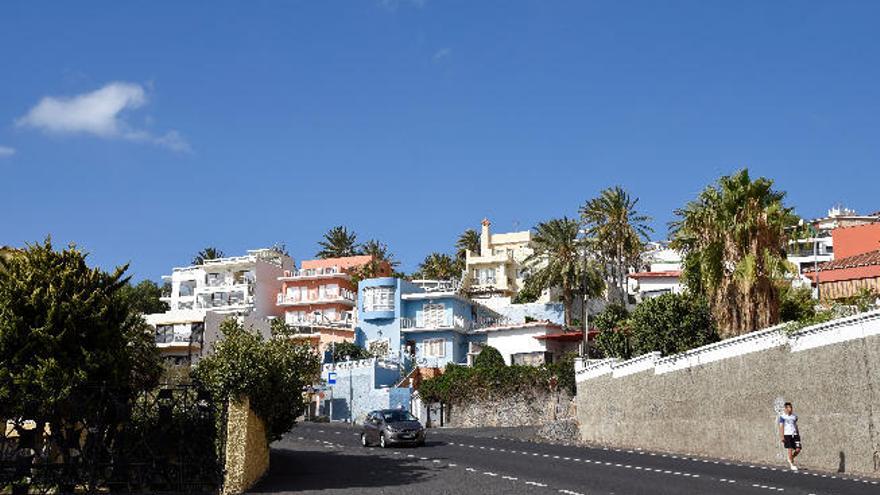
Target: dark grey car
(390, 427)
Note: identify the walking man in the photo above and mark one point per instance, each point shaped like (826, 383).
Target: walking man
(791, 436)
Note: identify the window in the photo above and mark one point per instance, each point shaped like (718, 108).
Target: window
(379, 299)
(186, 288)
(433, 315)
(435, 348)
(531, 358)
(484, 276)
(164, 334)
(214, 279)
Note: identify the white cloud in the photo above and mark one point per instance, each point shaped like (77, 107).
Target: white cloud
(441, 54)
(99, 113)
(6, 151)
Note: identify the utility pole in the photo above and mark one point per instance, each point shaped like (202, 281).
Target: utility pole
(816, 266)
(350, 391)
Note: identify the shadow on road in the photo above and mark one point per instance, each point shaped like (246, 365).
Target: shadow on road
(293, 470)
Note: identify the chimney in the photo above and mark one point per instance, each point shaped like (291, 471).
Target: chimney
(484, 238)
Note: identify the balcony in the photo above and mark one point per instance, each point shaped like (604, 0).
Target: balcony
(223, 299)
(314, 273)
(454, 322)
(178, 339)
(344, 296)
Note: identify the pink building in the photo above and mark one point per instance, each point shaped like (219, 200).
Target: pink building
(319, 299)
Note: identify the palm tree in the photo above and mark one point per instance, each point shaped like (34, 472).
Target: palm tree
(733, 237)
(209, 253)
(558, 261)
(616, 231)
(438, 266)
(379, 253)
(469, 240)
(338, 242)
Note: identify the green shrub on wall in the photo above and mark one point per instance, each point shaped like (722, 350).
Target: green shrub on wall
(614, 339)
(671, 323)
(491, 378)
(270, 372)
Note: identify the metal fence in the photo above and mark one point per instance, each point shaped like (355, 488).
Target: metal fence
(171, 440)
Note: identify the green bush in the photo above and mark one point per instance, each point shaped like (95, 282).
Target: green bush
(489, 357)
(490, 378)
(671, 323)
(64, 328)
(611, 318)
(796, 304)
(271, 373)
(349, 350)
(614, 343)
(614, 335)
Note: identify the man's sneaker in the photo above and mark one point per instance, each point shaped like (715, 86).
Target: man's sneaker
(793, 467)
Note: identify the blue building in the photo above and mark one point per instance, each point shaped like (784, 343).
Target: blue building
(419, 325)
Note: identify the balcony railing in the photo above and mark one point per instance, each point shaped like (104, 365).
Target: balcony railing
(296, 298)
(314, 272)
(178, 338)
(438, 285)
(456, 322)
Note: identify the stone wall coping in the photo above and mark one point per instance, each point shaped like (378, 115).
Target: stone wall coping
(639, 363)
(852, 327)
(594, 369)
(831, 332)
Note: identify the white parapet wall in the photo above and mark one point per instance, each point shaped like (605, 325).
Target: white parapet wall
(833, 332)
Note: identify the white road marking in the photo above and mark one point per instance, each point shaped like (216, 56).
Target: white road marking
(487, 473)
(511, 478)
(535, 483)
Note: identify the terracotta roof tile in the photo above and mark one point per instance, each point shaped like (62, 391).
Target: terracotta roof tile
(870, 258)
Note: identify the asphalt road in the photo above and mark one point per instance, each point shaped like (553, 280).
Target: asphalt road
(328, 459)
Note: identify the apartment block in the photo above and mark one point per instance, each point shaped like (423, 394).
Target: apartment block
(202, 296)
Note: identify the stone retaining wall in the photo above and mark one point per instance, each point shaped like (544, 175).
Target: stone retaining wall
(247, 448)
(526, 409)
(722, 400)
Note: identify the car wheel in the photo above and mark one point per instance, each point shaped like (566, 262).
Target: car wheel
(382, 441)
(364, 441)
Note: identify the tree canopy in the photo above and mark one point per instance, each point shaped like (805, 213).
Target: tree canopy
(270, 372)
(338, 242)
(616, 232)
(65, 327)
(558, 261)
(143, 298)
(438, 266)
(208, 253)
(733, 237)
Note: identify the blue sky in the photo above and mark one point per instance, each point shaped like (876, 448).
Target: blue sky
(146, 131)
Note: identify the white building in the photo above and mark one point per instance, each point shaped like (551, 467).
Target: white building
(498, 269)
(533, 343)
(202, 296)
(661, 274)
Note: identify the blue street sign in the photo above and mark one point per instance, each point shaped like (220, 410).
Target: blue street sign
(331, 378)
